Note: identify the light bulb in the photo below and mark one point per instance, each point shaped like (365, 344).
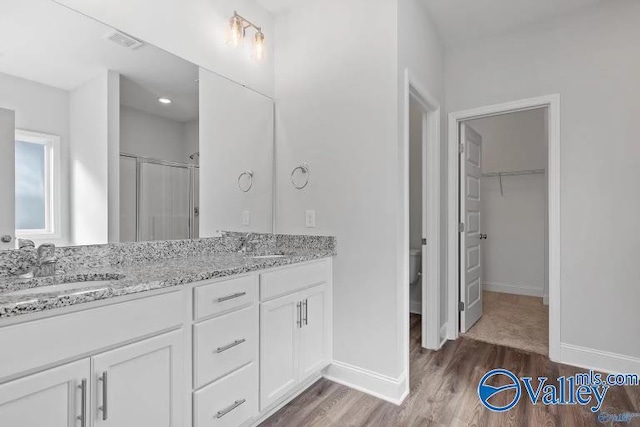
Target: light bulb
(259, 52)
(236, 32)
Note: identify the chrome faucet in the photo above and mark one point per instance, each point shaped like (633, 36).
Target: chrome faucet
(247, 244)
(46, 260)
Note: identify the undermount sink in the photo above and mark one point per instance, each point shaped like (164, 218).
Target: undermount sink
(268, 256)
(63, 287)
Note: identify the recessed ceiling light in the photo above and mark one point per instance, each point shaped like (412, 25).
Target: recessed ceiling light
(164, 100)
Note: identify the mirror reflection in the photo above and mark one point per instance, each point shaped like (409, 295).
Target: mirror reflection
(100, 137)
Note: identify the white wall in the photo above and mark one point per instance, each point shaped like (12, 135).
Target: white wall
(513, 256)
(192, 138)
(44, 109)
(89, 124)
(148, 135)
(113, 152)
(236, 134)
(420, 49)
(336, 94)
(591, 60)
(7, 175)
(195, 30)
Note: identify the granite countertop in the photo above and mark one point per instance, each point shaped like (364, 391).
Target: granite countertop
(119, 280)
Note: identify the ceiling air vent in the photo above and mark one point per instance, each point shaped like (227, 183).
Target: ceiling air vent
(124, 40)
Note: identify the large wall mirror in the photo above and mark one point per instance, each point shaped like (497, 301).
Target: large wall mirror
(105, 138)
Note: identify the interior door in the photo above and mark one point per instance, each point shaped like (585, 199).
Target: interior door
(314, 333)
(53, 398)
(139, 385)
(7, 178)
(470, 248)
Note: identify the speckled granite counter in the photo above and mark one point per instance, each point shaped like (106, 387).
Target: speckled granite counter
(131, 268)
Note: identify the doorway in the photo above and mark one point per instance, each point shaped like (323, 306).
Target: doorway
(468, 238)
(419, 288)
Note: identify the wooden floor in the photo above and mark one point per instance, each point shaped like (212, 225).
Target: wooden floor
(443, 393)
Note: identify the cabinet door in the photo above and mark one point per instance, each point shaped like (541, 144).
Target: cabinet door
(279, 326)
(52, 398)
(314, 335)
(140, 385)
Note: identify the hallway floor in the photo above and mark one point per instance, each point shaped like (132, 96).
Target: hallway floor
(514, 321)
(444, 393)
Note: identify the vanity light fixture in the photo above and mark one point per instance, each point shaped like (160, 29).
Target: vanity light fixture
(238, 26)
(164, 100)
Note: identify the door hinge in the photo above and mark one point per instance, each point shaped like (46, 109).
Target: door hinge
(461, 306)
(424, 242)
(461, 148)
(461, 227)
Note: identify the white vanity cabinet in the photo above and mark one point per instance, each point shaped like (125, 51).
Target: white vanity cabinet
(294, 328)
(129, 368)
(57, 397)
(138, 384)
(135, 385)
(225, 352)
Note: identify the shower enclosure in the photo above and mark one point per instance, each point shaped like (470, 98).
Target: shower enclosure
(158, 199)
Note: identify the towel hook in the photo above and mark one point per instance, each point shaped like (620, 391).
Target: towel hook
(304, 168)
(247, 187)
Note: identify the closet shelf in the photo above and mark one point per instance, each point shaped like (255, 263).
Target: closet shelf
(514, 173)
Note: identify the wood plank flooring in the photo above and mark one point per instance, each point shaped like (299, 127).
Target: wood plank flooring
(443, 393)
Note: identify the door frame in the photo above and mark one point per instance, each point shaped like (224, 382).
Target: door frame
(414, 89)
(552, 103)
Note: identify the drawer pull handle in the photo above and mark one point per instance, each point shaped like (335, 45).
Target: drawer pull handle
(230, 297)
(230, 346)
(83, 403)
(233, 406)
(105, 393)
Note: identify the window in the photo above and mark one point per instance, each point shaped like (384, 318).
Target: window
(36, 189)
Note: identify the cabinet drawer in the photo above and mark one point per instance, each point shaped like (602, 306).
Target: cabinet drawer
(292, 279)
(221, 297)
(224, 344)
(231, 401)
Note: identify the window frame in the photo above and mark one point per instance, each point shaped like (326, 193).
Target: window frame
(52, 184)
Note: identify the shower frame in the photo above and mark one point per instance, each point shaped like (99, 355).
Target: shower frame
(192, 175)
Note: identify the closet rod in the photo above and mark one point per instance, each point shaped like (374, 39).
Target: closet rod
(515, 173)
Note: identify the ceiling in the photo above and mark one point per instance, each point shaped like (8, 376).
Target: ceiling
(276, 6)
(47, 43)
(462, 21)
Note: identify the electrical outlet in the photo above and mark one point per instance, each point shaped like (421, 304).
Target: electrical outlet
(246, 217)
(310, 219)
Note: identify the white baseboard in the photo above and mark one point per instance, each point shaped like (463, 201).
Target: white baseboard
(512, 289)
(443, 334)
(545, 299)
(415, 307)
(393, 390)
(598, 360)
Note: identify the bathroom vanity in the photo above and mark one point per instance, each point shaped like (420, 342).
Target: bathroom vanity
(182, 333)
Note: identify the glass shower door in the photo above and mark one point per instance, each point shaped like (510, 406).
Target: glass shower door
(164, 202)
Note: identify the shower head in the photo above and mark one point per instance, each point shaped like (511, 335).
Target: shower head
(195, 156)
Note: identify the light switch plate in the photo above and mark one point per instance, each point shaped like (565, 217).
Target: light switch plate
(310, 219)
(246, 217)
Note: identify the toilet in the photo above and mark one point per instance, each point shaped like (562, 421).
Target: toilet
(414, 265)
